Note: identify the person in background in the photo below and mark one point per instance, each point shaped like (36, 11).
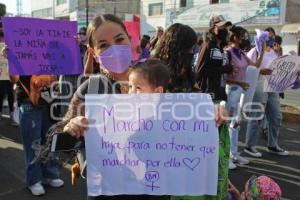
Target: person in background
(153, 42)
(6, 88)
(34, 120)
(213, 63)
(236, 84)
(270, 103)
(278, 50)
(144, 48)
(277, 45)
(82, 39)
(175, 50)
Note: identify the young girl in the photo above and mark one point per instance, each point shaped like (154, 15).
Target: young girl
(151, 76)
(256, 188)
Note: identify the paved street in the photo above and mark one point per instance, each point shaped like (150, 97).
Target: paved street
(285, 170)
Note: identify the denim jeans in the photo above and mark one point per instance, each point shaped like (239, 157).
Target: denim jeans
(233, 99)
(34, 123)
(271, 105)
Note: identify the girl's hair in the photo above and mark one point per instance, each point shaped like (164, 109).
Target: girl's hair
(154, 71)
(144, 42)
(237, 31)
(173, 49)
(98, 21)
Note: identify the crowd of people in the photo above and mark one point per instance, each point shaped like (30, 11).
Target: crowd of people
(175, 60)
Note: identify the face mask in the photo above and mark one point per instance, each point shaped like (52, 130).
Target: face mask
(83, 38)
(270, 42)
(116, 58)
(223, 34)
(244, 44)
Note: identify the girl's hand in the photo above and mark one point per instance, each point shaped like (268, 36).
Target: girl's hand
(221, 114)
(4, 51)
(77, 126)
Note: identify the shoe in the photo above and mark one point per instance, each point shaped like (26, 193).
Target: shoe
(278, 151)
(252, 152)
(239, 159)
(37, 189)
(54, 182)
(231, 165)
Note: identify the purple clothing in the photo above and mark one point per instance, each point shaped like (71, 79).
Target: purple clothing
(238, 60)
(145, 54)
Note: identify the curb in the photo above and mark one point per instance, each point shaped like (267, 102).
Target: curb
(290, 117)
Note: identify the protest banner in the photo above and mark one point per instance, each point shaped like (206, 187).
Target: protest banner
(284, 74)
(41, 46)
(156, 144)
(3, 66)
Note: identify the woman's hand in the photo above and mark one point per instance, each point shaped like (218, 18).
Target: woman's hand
(221, 114)
(77, 126)
(244, 85)
(266, 71)
(4, 51)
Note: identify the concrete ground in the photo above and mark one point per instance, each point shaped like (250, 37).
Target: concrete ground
(285, 170)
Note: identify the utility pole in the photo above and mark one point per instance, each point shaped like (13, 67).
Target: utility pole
(87, 12)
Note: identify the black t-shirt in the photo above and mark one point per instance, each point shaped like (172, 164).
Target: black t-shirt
(21, 94)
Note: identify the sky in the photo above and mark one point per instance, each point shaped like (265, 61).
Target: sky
(12, 4)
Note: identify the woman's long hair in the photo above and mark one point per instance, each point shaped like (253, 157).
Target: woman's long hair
(174, 49)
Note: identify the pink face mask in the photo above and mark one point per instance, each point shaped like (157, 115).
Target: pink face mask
(116, 58)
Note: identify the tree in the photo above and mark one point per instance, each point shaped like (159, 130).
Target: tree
(2, 9)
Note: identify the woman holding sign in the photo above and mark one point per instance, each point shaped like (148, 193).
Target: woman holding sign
(236, 84)
(108, 38)
(264, 100)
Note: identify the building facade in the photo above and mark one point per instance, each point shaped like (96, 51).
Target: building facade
(282, 15)
(76, 9)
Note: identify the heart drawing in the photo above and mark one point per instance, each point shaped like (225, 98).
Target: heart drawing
(191, 163)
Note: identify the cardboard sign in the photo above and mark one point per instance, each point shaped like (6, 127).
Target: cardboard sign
(284, 74)
(156, 144)
(3, 65)
(40, 46)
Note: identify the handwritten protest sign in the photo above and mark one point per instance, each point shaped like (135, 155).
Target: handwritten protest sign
(284, 74)
(40, 46)
(3, 66)
(157, 144)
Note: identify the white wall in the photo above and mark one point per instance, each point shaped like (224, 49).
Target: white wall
(149, 23)
(40, 4)
(289, 43)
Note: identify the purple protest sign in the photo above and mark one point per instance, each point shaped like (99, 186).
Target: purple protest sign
(40, 46)
(284, 74)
